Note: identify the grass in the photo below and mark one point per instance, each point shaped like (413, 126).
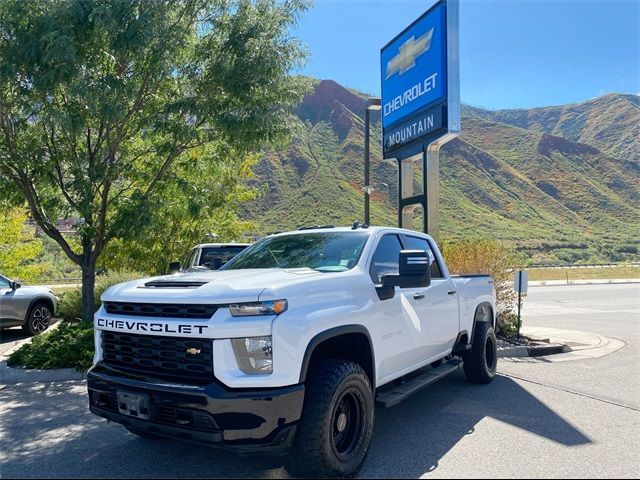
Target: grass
(605, 273)
(68, 346)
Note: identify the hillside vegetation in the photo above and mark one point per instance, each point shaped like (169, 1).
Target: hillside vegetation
(561, 183)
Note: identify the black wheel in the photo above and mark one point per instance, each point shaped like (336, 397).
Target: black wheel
(335, 430)
(38, 319)
(145, 435)
(480, 362)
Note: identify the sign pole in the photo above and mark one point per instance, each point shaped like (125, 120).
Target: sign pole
(432, 189)
(519, 301)
(366, 167)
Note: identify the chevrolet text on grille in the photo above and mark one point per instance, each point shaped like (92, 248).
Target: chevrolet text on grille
(150, 326)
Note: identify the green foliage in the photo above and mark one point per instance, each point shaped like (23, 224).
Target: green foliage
(102, 102)
(19, 247)
(70, 306)
(488, 257)
(199, 199)
(68, 346)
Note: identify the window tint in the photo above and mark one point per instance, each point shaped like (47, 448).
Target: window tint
(4, 283)
(415, 243)
(385, 258)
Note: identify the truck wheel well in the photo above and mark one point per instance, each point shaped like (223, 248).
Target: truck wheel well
(479, 314)
(353, 346)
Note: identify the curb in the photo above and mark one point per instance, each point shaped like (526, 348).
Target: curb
(19, 375)
(533, 350)
(558, 345)
(594, 281)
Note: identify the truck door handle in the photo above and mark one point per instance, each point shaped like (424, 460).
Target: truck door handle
(418, 296)
(451, 292)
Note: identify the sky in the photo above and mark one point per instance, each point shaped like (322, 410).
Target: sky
(513, 53)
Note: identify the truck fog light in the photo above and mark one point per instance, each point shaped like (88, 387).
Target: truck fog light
(254, 354)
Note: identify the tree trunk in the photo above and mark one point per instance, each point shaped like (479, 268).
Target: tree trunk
(88, 286)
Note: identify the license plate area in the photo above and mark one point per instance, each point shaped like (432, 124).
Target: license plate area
(134, 404)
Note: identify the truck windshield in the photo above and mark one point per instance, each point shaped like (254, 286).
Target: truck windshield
(325, 252)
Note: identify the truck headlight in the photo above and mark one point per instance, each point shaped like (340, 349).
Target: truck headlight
(271, 307)
(253, 354)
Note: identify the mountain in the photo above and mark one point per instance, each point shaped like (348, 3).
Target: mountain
(610, 123)
(558, 182)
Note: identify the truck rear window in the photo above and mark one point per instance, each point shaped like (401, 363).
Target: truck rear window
(325, 252)
(224, 254)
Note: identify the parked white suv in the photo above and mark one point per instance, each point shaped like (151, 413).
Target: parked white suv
(288, 346)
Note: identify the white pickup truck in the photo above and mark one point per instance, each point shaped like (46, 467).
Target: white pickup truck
(288, 347)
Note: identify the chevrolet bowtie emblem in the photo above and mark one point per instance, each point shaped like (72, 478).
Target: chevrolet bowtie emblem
(409, 51)
(193, 351)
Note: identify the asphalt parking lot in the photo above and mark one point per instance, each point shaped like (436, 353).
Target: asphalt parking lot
(537, 419)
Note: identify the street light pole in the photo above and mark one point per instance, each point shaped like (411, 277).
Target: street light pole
(370, 104)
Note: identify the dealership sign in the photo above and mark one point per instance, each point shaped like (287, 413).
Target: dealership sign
(420, 77)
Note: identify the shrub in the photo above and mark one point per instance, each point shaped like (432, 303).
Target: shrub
(493, 258)
(70, 307)
(68, 346)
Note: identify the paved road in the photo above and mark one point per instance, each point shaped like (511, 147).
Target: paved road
(570, 419)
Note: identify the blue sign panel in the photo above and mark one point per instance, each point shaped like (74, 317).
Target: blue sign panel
(414, 68)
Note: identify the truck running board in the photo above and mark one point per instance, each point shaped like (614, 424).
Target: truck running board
(400, 392)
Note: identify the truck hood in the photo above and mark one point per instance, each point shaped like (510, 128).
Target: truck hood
(213, 287)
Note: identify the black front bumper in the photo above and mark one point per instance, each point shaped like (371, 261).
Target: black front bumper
(244, 420)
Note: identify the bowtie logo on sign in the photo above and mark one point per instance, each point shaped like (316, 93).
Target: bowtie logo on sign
(405, 60)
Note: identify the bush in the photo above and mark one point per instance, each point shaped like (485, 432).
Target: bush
(70, 306)
(68, 346)
(493, 258)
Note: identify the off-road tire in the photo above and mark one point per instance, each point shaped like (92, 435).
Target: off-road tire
(328, 444)
(480, 362)
(38, 319)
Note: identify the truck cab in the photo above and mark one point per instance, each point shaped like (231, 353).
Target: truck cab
(287, 348)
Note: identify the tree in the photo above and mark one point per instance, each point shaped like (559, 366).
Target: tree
(200, 199)
(100, 100)
(18, 246)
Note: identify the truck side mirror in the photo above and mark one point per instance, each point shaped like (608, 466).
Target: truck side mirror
(414, 271)
(174, 267)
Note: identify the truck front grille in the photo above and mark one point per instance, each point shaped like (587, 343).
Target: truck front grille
(159, 310)
(166, 358)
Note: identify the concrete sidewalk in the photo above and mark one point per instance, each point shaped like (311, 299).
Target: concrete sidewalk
(572, 345)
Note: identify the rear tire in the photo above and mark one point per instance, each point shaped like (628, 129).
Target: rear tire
(481, 361)
(335, 430)
(38, 319)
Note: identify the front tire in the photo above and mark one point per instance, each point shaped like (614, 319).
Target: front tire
(481, 361)
(38, 319)
(336, 427)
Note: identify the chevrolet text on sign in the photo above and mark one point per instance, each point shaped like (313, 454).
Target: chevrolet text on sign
(414, 68)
